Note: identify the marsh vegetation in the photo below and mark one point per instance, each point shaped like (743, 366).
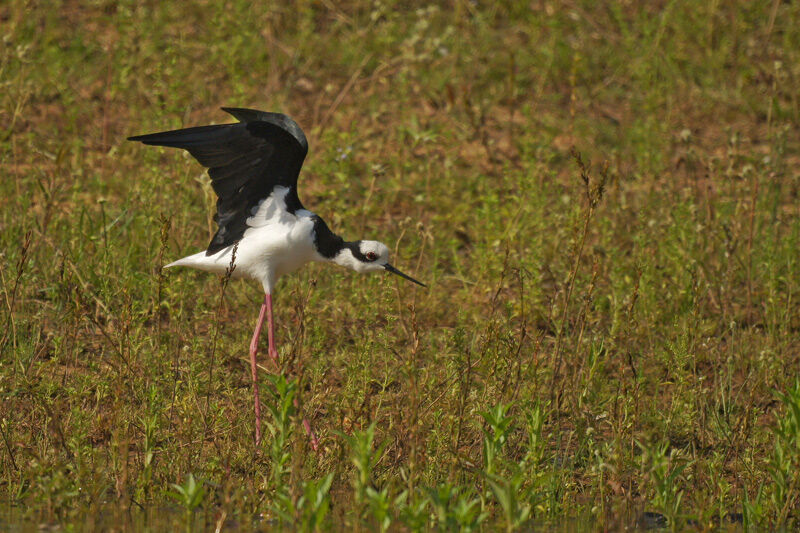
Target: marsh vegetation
(602, 197)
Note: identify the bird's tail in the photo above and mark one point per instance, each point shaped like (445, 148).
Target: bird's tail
(201, 261)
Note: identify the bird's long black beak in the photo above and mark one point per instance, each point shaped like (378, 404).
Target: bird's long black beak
(393, 270)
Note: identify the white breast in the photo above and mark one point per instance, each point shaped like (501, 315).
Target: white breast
(277, 242)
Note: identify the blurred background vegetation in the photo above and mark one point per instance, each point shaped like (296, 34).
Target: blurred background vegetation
(602, 196)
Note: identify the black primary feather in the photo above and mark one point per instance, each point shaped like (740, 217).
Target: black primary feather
(245, 162)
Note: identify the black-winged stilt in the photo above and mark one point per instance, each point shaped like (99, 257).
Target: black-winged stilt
(254, 165)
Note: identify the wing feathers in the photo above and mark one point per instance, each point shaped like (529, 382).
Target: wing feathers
(245, 161)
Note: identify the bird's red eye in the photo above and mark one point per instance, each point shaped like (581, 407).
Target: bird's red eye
(371, 256)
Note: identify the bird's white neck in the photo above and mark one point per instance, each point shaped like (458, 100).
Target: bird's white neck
(346, 259)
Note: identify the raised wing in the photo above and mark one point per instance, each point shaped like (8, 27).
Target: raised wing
(245, 161)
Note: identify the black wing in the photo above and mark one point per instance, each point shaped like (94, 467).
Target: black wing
(245, 161)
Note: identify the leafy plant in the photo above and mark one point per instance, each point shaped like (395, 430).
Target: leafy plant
(190, 496)
(381, 506)
(784, 465)
(364, 457)
(311, 508)
(454, 509)
(665, 471)
(150, 424)
(280, 427)
(510, 493)
(495, 435)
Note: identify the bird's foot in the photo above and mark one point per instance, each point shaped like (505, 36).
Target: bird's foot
(273, 354)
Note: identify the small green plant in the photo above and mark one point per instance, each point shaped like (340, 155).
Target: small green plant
(784, 465)
(381, 505)
(546, 485)
(364, 458)
(439, 499)
(507, 490)
(316, 502)
(312, 506)
(310, 509)
(281, 410)
(150, 424)
(665, 471)
(753, 511)
(454, 509)
(414, 512)
(189, 495)
(510, 493)
(534, 419)
(467, 512)
(495, 435)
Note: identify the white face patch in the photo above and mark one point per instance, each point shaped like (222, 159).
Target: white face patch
(346, 258)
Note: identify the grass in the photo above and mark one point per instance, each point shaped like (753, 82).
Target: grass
(603, 198)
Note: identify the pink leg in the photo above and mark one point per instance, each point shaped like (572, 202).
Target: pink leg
(253, 365)
(273, 353)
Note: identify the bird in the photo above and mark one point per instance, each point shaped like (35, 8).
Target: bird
(263, 230)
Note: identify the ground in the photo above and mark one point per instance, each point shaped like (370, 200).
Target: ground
(602, 198)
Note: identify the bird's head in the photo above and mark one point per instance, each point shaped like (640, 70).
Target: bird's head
(368, 256)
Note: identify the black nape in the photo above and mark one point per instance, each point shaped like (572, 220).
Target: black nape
(327, 243)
